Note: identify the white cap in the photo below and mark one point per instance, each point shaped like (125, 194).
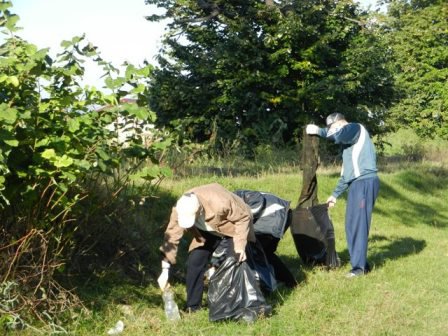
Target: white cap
(187, 207)
(332, 118)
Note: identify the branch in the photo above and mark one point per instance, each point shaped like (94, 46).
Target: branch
(213, 14)
(360, 23)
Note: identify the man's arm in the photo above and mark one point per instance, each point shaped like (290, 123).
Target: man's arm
(172, 237)
(239, 214)
(312, 129)
(346, 135)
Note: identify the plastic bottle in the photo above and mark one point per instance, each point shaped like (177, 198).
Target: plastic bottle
(171, 309)
(118, 329)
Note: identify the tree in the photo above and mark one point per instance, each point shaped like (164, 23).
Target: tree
(417, 34)
(257, 73)
(310, 163)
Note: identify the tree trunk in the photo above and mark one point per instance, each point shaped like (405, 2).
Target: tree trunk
(309, 162)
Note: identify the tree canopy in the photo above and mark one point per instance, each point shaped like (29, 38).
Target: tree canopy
(257, 71)
(417, 32)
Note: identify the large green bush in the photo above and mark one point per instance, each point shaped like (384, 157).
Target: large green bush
(60, 151)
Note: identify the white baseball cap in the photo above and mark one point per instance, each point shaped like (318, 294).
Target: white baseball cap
(187, 207)
(332, 118)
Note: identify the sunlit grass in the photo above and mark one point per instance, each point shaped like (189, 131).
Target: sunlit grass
(405, 294)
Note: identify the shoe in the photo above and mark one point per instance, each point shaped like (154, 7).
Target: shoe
(367, 268)
(191, 310)
(355, 273)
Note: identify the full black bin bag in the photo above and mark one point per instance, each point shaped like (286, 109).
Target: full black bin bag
(234, 293)
(313, 235)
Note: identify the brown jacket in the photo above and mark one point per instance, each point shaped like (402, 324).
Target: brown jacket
(224, 211)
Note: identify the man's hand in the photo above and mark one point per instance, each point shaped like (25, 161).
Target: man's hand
(162, 280)
(312, 129)
(241, 255)
(331, 201)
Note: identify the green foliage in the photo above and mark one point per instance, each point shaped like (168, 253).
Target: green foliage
(53, 133)
(60, 144)
(418, 35)
(256, 73)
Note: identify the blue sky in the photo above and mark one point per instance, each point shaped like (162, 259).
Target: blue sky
(117, 27)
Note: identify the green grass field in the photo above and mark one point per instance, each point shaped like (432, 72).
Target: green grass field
(405, 294)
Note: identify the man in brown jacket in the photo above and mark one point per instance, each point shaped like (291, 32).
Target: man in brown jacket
(210, 213)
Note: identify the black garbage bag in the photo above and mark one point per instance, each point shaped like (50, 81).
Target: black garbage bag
(256, 258)
(313, 235)
(234, 293)
(270, 212)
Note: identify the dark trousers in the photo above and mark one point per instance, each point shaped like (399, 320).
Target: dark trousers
(197, 262)
(361, 199)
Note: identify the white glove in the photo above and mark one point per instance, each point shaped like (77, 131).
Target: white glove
(331, 201)
(162, 280)
(312, 129)
(241, 256)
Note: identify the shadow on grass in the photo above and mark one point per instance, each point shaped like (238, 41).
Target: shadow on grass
(100, 294)
(412, 212)
(382, 248)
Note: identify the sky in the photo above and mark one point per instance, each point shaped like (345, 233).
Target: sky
(117, 27)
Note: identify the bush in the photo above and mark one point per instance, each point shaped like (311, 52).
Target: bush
(57, 153)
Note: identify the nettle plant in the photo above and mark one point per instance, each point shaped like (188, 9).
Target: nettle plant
(57, 148)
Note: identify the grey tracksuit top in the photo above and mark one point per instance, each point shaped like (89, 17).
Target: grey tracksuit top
(358, 154)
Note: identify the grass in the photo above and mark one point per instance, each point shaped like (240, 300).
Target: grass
(405, 294)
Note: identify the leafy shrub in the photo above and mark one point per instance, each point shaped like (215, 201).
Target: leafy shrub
(57, 154)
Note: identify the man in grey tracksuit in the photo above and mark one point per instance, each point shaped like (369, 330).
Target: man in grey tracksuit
(359, 176)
